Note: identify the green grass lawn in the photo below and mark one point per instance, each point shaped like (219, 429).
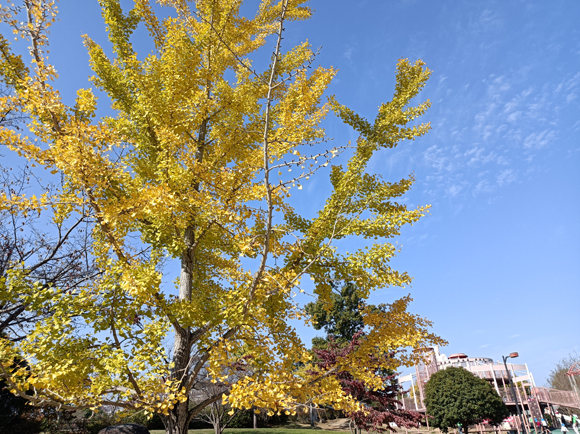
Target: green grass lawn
(246, 431)
(293, 430)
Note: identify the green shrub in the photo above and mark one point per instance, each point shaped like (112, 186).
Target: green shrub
(243, 419)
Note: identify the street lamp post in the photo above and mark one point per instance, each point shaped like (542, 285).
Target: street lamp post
(513, 356)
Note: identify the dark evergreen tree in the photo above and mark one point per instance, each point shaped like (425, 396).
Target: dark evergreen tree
(455, 395)
(342, 319)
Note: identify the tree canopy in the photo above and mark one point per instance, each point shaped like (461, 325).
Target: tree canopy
(52, 253)
(343, 321)
(455, 395)
(380, 406)
(557, 378)
(193, 168)
(342, 317)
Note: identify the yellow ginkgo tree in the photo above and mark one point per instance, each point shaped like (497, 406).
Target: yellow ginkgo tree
(194, 168)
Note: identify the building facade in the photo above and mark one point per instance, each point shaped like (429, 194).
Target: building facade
(533, 401)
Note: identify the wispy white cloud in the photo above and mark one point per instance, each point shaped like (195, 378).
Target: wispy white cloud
(498, 85)
(479, 155)
(436, 157)
(510, 106)
(482, 117)
(348, 53)
(502, 161)
(489, 19)
(506, 176)
(514, 116)
(539, 139)
(505, 122)
(569, 84)
(483, 186)
(454, 189)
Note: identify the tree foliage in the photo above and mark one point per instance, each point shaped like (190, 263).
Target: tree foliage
(193, 168)
(557, 378)
(343, 321)
(52, 253)
(12, 71)
(455, 395)
(380, 406)
(342, 318)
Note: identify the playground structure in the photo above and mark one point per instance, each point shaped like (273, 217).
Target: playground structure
(572, 373)
(533, 401)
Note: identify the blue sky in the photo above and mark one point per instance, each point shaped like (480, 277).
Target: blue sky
(496, 264)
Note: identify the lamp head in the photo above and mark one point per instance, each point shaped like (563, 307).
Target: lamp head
(513, 355)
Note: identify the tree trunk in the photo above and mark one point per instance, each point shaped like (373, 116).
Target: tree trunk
(177, 421)
(178, 418)
(216, 426)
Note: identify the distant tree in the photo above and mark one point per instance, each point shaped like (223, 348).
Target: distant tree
(343, 321)
(218, 414)
(557, 378)
(381, 406)
(455, 395)
(341, 318)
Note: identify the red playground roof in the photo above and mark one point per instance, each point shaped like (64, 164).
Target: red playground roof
(457, 356)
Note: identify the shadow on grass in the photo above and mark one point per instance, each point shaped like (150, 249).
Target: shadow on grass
(293, 426)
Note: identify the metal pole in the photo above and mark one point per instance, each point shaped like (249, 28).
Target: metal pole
(524, 416)
(414, 394)
(494, 379)
(514, 393)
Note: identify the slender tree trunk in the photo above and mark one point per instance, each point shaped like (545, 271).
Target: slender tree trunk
(178, 419)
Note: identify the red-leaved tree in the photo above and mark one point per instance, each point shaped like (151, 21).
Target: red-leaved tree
(381, 407)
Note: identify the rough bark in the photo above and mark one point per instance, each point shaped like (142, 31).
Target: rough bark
(177, 421)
